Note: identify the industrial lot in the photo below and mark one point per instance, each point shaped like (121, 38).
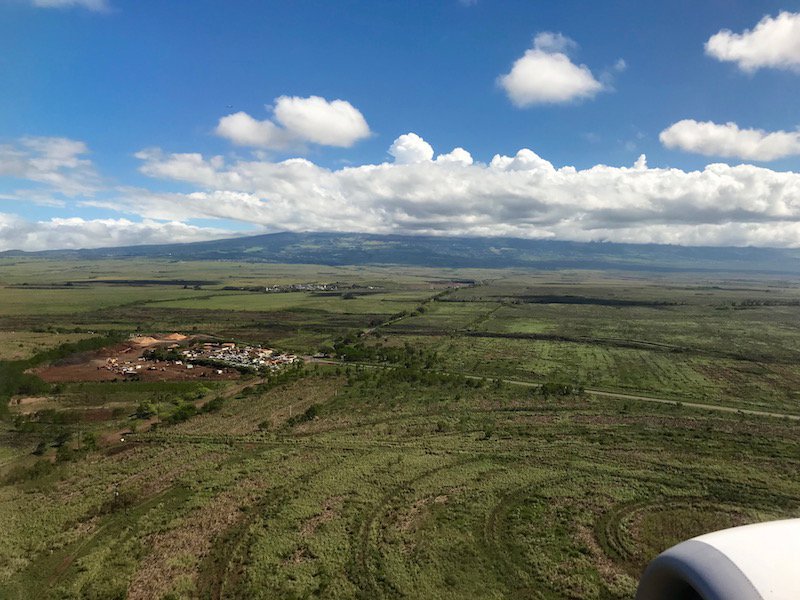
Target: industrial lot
(173, 357)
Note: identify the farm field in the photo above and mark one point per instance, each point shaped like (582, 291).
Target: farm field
(369, 303)
(399, 458)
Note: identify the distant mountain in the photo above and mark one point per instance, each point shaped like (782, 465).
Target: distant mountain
(431, 251)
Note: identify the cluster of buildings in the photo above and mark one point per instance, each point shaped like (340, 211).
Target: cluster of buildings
(303, 287)
(297, 287)
(234, 355)
(123, 367)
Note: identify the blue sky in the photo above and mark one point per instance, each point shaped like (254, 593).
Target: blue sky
(113, 113)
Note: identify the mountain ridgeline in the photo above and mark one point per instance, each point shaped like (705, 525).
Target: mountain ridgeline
(437, 251)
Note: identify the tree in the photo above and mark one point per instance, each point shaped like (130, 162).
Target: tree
(145, 410)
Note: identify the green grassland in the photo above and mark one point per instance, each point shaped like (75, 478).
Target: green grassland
(32, 301)
(17, 345)
(395, 487)
(420, 461)
(372, 303)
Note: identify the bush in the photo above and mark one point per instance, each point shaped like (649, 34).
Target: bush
(145, 410)
(89, 441)
(182, 413)
(310, 414)
(560, 389)
(213, 405)
(119, 500)
(65, 453)
(24, 473)
(62, 437)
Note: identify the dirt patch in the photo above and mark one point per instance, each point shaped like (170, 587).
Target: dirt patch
(176, 555)
(125, 362)
(605, 567)
(330, 509)
(143, 340)
(97, 415)
(299, 556)
(28, 401)
(175, 337)
(411, 519)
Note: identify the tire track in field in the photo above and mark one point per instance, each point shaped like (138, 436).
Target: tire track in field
(369, 584)
(495, 534)
(216, 569)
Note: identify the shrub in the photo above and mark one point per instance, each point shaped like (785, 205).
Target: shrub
(32, 472)
(145, 410)
(213, 405)
(182, 413)
(310, 414)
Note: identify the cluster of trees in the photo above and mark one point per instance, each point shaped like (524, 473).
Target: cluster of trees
(560, 389)
(755, 302)
(425, 377)
(175, 409)
(56, 429)
(309, 415)
(351, 348)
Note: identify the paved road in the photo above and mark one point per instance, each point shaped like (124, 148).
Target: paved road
(617, 395)
(620, 396)
(717, 407)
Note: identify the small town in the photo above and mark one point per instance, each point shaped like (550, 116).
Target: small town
(298, 287)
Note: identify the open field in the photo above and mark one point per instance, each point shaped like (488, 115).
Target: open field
(401, 465)
(71, 300)
(395, 488)
(16, 345)
(371, 303)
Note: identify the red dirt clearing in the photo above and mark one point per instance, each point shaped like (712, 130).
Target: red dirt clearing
(108, 363)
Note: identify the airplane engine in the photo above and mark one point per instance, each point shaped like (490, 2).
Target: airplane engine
(753, 562)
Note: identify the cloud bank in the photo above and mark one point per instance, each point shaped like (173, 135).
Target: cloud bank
(773, 43)
(523, 195)
(95, 5)
(295, 121)
(416, 192)
(75, 233)
(546, 75)
(727, 140)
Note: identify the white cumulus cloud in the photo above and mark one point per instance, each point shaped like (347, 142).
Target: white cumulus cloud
(546, 75)
(456, 156)
(409, 148)
(728, 140)
(60, 164)
(244, 130)
(773, 43)
(297, 120)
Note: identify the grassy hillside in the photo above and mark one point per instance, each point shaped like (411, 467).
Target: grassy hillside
(453, 252)
(454, 443)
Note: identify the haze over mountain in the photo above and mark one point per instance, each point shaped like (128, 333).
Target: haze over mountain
(431, 251)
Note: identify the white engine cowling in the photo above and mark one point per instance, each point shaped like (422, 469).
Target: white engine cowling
(753, 562)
